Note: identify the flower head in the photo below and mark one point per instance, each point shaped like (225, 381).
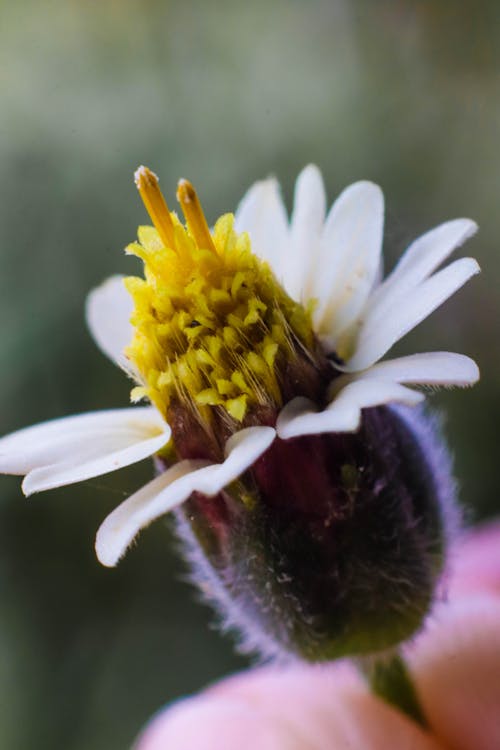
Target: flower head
(214, 331)
(257, 345)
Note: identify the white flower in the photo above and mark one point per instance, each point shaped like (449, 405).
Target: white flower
(333, 259)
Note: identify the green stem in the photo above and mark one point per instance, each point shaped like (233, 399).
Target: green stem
(390, 679)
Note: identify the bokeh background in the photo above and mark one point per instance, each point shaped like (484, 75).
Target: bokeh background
(403, 93)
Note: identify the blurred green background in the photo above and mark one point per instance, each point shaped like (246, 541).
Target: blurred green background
(403, 93)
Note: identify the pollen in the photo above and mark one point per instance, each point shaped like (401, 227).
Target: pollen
(213, 328)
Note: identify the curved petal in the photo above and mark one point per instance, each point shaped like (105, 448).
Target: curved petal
(72, 449)
(344, 413)
(421, 259)
(262, 214)
(431, 368)
(242, 450)
(51, 442)
(349, 258)
(173, 487)
(153, 500)
(380, 330)
(103, 457)
(307, 221)
(428, 251)
(108, 310)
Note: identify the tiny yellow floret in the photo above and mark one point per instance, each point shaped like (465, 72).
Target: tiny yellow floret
(213, 327)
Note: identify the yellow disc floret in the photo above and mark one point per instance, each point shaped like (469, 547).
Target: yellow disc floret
(213, 327)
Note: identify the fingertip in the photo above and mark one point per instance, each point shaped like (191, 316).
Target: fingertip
(214, 723)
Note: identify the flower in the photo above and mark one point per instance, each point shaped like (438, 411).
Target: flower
(454, 662)
(257, 345)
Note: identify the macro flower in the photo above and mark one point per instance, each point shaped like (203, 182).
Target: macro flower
(257, 345)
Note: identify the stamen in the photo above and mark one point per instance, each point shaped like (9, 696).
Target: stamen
(195, 218)
(149, 188)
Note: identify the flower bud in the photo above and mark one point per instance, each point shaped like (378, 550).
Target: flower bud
(330, 545)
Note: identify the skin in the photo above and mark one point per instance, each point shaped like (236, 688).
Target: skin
(455, 663)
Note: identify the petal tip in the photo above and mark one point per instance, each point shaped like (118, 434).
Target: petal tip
(109, 555)
(310, 172)
(471, 227)
(367, 188)
(26, 487)
(268, 184)
(467, 228)
(475, 265)
(105, 557)
(108, 308)
(108, 285)
(474, 375)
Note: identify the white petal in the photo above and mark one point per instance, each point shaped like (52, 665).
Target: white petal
(102, 458)
(46, 443)
(173, 487)
(242, 449)
(297, 413)
(420, 259)
(153, 500)
(429, 250)
(68, 450)
(381, 330)
(344, 413)
(349, 258)
(108, 310)
(262, 214)
(431, 368)
(307, 221)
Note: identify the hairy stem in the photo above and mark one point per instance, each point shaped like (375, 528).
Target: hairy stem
(390, 679)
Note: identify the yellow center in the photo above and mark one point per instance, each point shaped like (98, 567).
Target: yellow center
(213, 327)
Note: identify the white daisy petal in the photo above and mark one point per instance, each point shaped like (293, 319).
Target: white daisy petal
(429, 250)
(307, 221)
(380, 330)
(107, 454)
(173, 487)
(420, 260)
(430, 368)
(262, 214)
(73, 449)
(298, 411)
(51, 442)
(344, 413)
(108, 310)
(349, 258)
(242, 449)
(153, 500)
